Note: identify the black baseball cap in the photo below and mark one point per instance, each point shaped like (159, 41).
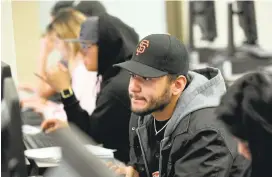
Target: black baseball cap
(88, 31)
(157, 55)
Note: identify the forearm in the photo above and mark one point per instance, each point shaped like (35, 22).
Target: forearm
(44, 90)
(42, 64)
(76, 114)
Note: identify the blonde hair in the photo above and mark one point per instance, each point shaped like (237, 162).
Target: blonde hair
(66, 25)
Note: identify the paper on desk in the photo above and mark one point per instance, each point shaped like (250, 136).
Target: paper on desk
(28, 129)
(50, 155)
(100, 151)
(53, 154)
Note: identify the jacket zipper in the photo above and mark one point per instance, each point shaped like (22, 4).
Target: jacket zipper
(145, 162)
(160, 160)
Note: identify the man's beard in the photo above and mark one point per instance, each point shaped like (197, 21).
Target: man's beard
(155, 104)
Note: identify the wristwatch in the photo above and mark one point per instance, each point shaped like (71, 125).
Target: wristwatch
(67, 93)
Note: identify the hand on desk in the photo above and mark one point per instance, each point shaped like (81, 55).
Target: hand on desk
(127, 171)
(51, 125)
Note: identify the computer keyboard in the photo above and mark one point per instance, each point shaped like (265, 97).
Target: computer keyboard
(39, 140)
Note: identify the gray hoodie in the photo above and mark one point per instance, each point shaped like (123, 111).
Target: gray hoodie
(204, 90)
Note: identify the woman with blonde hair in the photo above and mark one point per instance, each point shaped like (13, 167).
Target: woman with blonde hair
(88, 8)
(66, 25)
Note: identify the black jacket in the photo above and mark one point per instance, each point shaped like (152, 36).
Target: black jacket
(246, 109)
(109, 122)
(195, 143)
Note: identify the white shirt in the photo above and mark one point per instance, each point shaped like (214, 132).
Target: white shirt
(85, 86)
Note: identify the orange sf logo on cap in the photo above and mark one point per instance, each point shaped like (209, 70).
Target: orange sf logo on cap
(142, 46)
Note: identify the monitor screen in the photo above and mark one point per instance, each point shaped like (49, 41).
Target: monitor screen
(13, 150)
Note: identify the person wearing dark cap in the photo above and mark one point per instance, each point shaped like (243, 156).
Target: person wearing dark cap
(174, 131)
(103, 45)
(246, 109)
(94, 8)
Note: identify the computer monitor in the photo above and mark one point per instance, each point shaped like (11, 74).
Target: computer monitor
(72, 141)
(13, 149)
(247, 21)
(5, 72)
(203, 15)
(4, 143)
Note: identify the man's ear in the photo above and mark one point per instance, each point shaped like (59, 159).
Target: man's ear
(243, 149)
(179, 85)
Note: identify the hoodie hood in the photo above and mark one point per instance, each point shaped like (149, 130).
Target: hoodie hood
(116, 43)
(204, 90)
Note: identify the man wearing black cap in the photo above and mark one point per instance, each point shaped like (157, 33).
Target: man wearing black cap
(174, 131)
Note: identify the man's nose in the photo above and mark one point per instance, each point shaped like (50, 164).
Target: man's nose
(134, 85)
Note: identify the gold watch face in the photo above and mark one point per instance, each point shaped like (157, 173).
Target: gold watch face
(66, 93)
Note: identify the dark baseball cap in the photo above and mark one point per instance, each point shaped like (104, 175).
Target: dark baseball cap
(158, 55)
(88, 31)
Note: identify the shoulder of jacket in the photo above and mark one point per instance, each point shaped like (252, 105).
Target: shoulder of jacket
(206, 120)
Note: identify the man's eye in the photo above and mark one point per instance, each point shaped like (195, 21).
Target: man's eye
(146, 78)
(132, 75)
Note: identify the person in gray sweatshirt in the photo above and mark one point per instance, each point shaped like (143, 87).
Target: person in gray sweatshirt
(174, 130)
